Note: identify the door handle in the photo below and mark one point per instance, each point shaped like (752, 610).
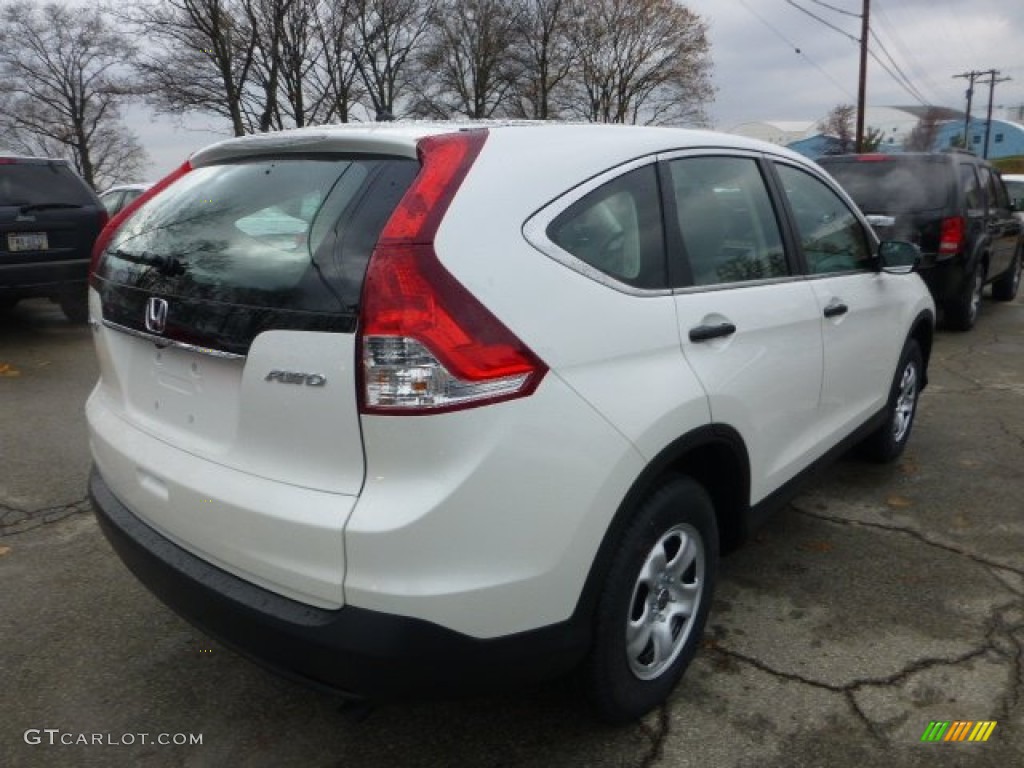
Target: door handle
(706, 332)
(836, 309)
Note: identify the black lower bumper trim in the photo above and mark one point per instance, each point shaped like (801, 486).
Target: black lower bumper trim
(357, 651)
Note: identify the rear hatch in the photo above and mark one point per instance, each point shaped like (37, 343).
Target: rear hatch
(904, 197)
(47, 214)
(226, 416)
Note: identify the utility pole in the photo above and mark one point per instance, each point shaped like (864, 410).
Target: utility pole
(992, 80)
(971, 77)
(865, 28)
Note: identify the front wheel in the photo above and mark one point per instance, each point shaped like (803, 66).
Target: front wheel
(1004, 287)
(888, 442)
(655, 602)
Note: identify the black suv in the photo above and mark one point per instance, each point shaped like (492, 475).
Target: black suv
(49, 218)
(954, 206)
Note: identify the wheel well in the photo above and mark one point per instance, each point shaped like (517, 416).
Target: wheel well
(922, 333)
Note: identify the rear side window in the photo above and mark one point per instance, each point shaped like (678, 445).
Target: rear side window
(41, 183)
(887, 185)
(617, 229)
(831, 236)
(971, 186)
(726, 220)
(279, 233)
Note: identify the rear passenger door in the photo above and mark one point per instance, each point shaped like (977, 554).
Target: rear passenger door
(857, 306)
(1003, 227)
(749, 325)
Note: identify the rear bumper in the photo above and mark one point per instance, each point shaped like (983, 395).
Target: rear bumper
(945, 279)
(358, 651)
(40, 277)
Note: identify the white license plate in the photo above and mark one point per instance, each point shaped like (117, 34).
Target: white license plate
(27, 241)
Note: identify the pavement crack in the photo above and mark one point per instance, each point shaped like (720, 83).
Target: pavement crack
(14, 520)
(906, 531)
(657, 735)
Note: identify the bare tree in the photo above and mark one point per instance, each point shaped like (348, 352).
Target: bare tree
(465, 59)
(199, 57)
(923, 135)
(838, 124)
(334, 78)
(386, 35)
(543, 55)
(640, 61)
(62, 89)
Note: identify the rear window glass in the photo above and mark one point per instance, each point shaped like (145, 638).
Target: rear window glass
(41, 183)
(259, 233)
(894, 186)
(617, 229)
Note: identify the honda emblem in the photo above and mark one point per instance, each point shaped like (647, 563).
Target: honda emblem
(156, 314)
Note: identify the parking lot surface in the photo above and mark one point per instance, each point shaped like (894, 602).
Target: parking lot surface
(881, 600)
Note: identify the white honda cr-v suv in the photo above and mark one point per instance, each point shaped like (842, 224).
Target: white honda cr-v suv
(433, 407)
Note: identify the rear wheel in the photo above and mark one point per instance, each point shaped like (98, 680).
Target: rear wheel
(655, 602)
(962, 312)
(888, 442)
(1004, 287)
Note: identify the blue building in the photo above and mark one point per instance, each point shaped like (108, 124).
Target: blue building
(896, 123)
(1006, 138)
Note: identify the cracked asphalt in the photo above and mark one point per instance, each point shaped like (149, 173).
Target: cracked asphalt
(881, 599)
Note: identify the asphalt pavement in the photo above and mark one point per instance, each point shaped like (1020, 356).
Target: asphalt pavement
(881, 600)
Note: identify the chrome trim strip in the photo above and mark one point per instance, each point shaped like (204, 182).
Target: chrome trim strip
(162, 342)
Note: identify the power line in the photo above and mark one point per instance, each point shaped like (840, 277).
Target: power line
(837, 10)
(892, 31)
(902, 80)
(797, 49)
(828, 24)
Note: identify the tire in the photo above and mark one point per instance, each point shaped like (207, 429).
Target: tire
(7, 304)
(887, 443)
(962, 312)
(657, 595)
(1004, 287)
(75, 307)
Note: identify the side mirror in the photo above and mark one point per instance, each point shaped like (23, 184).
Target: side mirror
(898, 257)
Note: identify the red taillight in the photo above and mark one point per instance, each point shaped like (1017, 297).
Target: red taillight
(112, 225)
(427, 344)
(872, 158)
(951, 238)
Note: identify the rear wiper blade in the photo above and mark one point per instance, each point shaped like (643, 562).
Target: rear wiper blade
(46, 206)
(168, 266)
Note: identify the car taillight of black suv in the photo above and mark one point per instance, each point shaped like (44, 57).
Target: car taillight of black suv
(49, 218)
(955, 207)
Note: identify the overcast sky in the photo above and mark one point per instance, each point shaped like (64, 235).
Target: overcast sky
(771, 61)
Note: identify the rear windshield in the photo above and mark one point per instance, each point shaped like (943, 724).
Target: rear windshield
(894, 185)
(278, 233)
(41, 183)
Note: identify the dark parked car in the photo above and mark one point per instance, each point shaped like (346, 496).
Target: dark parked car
(49, 218)
(955, 207)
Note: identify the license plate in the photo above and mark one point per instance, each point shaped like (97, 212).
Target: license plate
(27, 241)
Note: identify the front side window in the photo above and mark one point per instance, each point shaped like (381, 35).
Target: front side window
(997, 197)
(726, 220)
(832, 237)
(617, 229)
